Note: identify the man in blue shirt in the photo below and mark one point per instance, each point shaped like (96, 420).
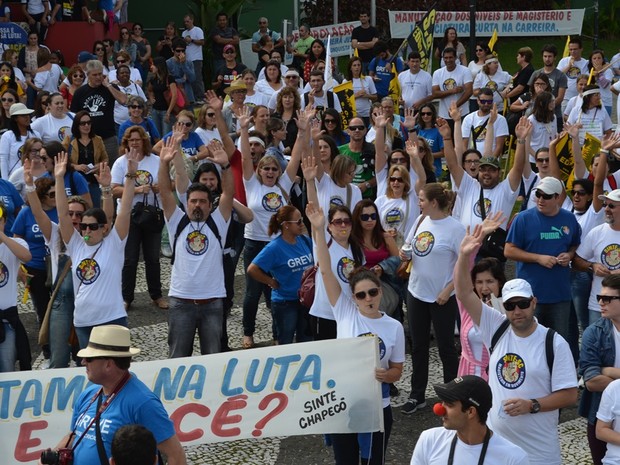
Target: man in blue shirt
(380, 68)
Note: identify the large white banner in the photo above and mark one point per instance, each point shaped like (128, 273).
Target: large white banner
(507, 23)
(296, 389)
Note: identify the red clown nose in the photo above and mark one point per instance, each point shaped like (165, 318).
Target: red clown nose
(439, 409)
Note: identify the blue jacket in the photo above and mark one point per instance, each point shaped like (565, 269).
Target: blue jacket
(598, 350)
(183, 74)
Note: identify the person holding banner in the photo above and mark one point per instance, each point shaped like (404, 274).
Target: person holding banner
(474, 125)
(361, 317)
(380, 68)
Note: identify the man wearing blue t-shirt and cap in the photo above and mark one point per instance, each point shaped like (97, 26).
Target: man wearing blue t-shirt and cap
(465, 404)
(543, 241)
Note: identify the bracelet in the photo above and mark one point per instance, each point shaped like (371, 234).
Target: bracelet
(131, 175)
(106, 196)
(520, 141)
(224, 168)
(105, 189)
(30, 189)
(604, 151)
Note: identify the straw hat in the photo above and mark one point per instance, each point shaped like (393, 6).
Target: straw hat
(109, 341)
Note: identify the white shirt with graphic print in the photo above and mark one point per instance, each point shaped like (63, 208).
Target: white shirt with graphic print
(264, 201)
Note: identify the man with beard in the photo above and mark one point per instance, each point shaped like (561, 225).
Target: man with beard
(474, 126)
(197, 243)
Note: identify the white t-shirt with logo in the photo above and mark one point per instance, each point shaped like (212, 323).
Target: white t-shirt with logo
(415, 87)
(475, 121)
(542, 134)
(9, 266)
(518, 369)
(264, 201)
(500, 198)
(609, 412)
(435, 247)
(96, 271)
(330, 194)
(579, 67)
(395, 214)
(121, 112)
(11, 151)
(447, 80)
(382, 180)
(53, 129)
(497, 83)
(601, 245)
(197, 254)
(148, 168)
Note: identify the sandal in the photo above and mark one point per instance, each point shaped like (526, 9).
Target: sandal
(248, 342)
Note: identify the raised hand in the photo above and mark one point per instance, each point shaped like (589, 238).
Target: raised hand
(315, 129)
(411, 118)
(244, 118)
(132, 157)
(104, 178)
(611, 142)
(572, 129)
(493, 116)
(60, 166)
(524, 127)
(214, 101)
(315, 216)
(309, 167)
(472, 242)
(380, 121)
(217, 152)
(169, 151)
(492, 222)
(412, 149)
(28, 179)
(454, 111)
(444, 128)
(177, 133)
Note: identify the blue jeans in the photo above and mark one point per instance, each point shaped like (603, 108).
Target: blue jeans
(83, 333)
(95, 194)
(61, 319)
(581, 284)
(253, 289)
(159, 119)
(151, 243)
(198, 86)
(291, 320)
(8, 351)
(184, 318)
(555, 315)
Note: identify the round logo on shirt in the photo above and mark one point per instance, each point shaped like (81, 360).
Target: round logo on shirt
(143, 177)
(62, 132)
(449, 84)
(382, 349)
(272, 202)
(423, 243)
(20, 152)
(88, 271)
(344, 268)
(196, 243)
(610, 256)
(510, 371)
(487, 207)
(482, 134)
(394, 217)
(4, 274)
(573, 72)
(336, 201)
(491, 85)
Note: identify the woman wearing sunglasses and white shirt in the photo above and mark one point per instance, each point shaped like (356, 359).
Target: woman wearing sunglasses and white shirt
(359, 317)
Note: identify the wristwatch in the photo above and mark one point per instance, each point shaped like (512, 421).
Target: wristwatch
(535, 406)
(367, 185)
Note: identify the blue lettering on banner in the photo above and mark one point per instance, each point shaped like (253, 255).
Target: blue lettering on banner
(169, 388)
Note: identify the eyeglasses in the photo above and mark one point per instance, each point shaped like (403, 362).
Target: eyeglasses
(472, 162)
(179, 50)
(329, 121)
(229, 52)
(522, 304)
(395, 179)
(606, 299)
(542, 195)
(298, 222)
(78, 76)
(368, 216)
(5, 99)
(91, 226)
(187, 124)
(342, 222)
(485, 101)
(361, 295)
(124, 33)
(611, 206)
(357, 128)
(269, 168)
(399, 160)
(86, 123)
(120, 62)
(479, 50)
(540, 83)
(574, 192)
(99, 49)
(210, 115)
(134, 107)
(51, 195)
(426, 113)
(542, 160)
(76, 214)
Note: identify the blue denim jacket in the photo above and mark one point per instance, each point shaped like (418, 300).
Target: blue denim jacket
(183, 74)
(598, 350)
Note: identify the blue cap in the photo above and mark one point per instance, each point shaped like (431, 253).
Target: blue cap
(85, 56)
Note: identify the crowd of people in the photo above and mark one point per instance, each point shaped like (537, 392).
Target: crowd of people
(126, 155)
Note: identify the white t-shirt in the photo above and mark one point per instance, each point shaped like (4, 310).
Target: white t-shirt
(194, 51)
(9, 266)
(518, 369)
(433, 448)
(11, 152)
(447, 80)
(323, 101)
(414, 87)
(363, 104)
(342, 263)
(589, 220)
(601, 245)
(395, 214)
(264, 88)
(264, 201)
(382, 181)
(579, 67)
(475, 121)
(616, 87)
(330, 194)
(49, 80)
(389, 332)
(197, 254)
(134, 75)
(53, 129)
(207, 135)
(594, 121)
(257, 99)
(497, 82)
(500, 198)
(576, 101)
(121, 112)
(531, 201)
(96, 272)
(261, 74)
(542, 134)
(609, 411)
(148, 168)
(435, 248)
(272, 97)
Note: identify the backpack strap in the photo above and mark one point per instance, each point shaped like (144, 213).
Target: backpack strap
(330, 99)
(549, 352)
(284, 193)
(529, 193)
(612, 182)
(214, 230)
(180, 227)
(498, 335)
(349, 196)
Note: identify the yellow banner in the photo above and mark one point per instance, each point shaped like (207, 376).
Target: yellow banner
(347, 102)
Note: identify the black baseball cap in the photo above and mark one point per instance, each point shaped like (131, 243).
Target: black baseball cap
(468, 389)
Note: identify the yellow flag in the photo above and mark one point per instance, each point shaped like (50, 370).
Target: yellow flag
(345, 95)
(394, 89)
(355, 53)
(493, 40)
(591, 76)
(566, 51)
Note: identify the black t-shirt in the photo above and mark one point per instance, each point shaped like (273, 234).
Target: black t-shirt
(365, 35)
(166, 50)
(99, 102)
(158, 87)
(229, 74)
(72, 11)
(522, 78)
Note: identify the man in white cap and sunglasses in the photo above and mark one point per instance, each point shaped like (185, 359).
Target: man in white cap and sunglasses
(531, 369)
(465, 437)
(121, 397)
(543, 241)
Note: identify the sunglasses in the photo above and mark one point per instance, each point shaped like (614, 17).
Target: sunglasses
(269, 168)
(399, 160)
(210, 115)
(91, 226)
(361, 295)
(542, 160)
(77, 214)
(479, 50)
(4, 99)
(611, 206)
(90, 359)
(179, 50)
(368, 216)
(120, 62)
(542, 195)
(357, 128)
(134, 107)
(486, 102)
(522, 304)
(51, 195)
(395, 179)
(99, 49)
(291, 77)
(342, 222)
(86, 123)
(78, 76)
(298, 222)
(124, 33)
(187, 124)
(574, 192)
(426, 113)
(606, 299)
(329, 121)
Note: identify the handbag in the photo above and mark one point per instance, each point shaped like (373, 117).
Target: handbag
(148, 217)
(404, 269)
(181, 99)
(308, 281)
(492, 245)
(389, 299)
